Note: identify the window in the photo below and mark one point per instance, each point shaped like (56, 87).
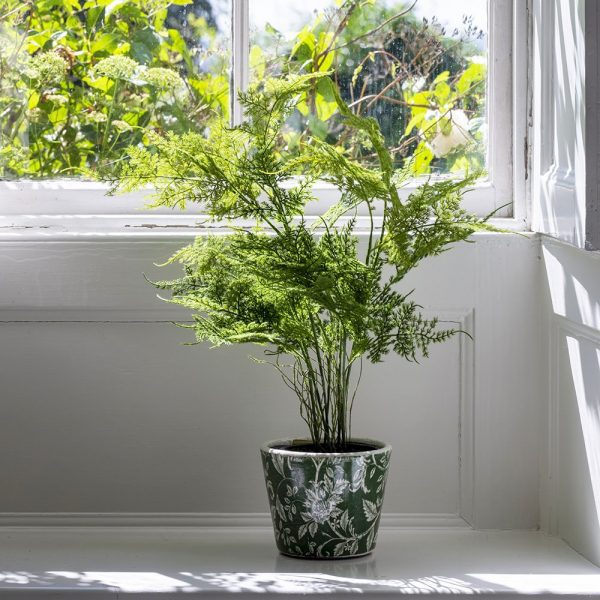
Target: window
(81, 79)
(419, 69)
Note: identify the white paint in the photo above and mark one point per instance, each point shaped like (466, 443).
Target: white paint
(122, 414)
(507, 390)
(110, 414)
(574, 285)
(569, 465)
(240, 55)
(558, 131)
(579, 440)
(571, 470)
(507, 43)
(58, 210)
(109, 562)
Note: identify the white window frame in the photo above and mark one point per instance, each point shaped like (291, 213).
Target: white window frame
(69, 209)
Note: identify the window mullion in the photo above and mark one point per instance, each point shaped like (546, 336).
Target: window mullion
(240, 50)
(502, 148)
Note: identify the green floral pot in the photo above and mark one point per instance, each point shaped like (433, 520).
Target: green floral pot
(325, 505)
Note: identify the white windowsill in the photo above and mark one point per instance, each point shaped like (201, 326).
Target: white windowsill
(59, 228)
(104, 562)
(73, 210)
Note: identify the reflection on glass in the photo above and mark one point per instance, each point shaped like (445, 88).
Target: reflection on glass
(419, 68)
(81, 80)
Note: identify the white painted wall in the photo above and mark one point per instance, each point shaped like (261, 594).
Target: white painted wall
(104, 411)
(565, 207)
(571, 472)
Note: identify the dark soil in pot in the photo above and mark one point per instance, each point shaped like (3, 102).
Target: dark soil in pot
(348, 448)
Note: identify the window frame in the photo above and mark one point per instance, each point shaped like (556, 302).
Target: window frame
(55, 209)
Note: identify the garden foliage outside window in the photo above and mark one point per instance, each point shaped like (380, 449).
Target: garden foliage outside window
(81, 80)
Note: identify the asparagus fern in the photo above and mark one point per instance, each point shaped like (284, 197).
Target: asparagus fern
(307, 292)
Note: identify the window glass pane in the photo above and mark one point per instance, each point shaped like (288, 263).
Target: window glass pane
(80, 80)
(419, 68)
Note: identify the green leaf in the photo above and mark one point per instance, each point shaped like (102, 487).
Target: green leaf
(442, 77)
(419, 102)
(474, 74)
(414, 122)
(257, 62)
(178, 44)
(37, 41)
(58, 35)
(317, 127)
(93, 17)
(325, 101)
(442, 92)
(34, 99)
(104, 84)
(304, 47)
(271, 30)
(326, 60)
(144, 43)
(59, 115)
(421, 159)
(107, 42)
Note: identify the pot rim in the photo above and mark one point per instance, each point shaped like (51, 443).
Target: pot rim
(270, 448)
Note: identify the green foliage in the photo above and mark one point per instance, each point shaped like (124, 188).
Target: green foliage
(425, 87)
(440, 121)
(307, 292)
(81, 80)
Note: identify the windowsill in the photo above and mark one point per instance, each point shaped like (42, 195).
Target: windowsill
(141, 227)
(73, 210)
(104, 562)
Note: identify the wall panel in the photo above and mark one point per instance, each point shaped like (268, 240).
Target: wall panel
(105, 412)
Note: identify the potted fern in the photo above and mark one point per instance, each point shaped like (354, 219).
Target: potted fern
(306, 291)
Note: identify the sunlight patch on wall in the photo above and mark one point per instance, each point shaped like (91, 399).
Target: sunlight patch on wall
(585, 370)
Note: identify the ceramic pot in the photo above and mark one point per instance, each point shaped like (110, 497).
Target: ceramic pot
(325, 505)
